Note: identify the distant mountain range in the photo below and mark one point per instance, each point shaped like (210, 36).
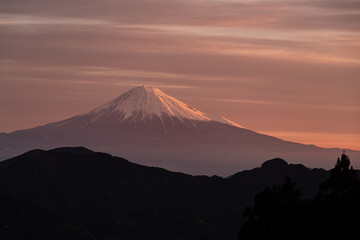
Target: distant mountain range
(149, 127)
(109, 197)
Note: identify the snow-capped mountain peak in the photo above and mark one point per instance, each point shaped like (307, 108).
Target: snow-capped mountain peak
(151, 101)
(148, 102)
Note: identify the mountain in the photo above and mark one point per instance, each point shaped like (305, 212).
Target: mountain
(149, 127)
(112, 198)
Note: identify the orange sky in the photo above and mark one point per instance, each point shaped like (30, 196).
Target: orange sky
(286, 68)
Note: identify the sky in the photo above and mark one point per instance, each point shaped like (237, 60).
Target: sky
(288, 68)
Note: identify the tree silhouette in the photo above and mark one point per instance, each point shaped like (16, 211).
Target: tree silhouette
(338, 201)
(271, 216)
(342, 181)
(280, 213)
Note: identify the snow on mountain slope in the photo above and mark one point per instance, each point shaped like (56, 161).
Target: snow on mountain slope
(151, 101)
(147, 102)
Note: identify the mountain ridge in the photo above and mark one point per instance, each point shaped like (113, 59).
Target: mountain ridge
(198, 144)
(107, 195)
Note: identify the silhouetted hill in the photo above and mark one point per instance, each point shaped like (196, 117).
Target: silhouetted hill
(274, 172)
(279, 212)
(24, 220)
(113, 198)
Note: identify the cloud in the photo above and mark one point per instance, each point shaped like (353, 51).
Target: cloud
(294, 63)
(305, 14)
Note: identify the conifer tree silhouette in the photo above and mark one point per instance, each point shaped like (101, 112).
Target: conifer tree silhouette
(280, 213)
(272, 213)
(342, 181)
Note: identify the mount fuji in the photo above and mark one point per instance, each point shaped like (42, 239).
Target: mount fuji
(150, 127)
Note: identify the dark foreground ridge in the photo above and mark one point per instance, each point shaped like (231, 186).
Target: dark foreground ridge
(109, 197)
(279, 212)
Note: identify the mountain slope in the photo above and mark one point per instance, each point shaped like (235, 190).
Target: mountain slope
(142, 105)
(149, 127)
(112, 197)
